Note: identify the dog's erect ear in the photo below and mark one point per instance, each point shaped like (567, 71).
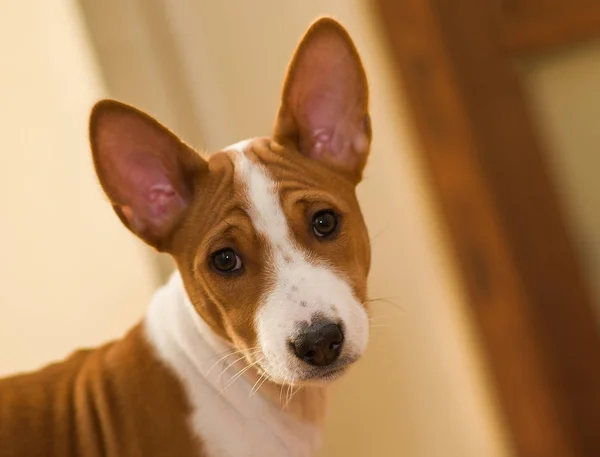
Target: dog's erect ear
(145, 170)
(324, 106)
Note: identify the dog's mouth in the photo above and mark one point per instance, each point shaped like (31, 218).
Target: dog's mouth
(328, 373)
(313, 375)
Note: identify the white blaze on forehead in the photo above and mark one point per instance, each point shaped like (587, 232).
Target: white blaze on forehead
(265, 209)
(302, 288)
(240, 146)
(266, 212)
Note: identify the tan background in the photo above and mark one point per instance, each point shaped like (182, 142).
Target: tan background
(563, 89)
(212, 71)
(70, 275)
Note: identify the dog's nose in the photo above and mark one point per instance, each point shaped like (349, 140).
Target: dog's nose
(320, 344)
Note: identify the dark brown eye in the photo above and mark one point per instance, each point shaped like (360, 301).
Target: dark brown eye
(226, 261)
(324, 223)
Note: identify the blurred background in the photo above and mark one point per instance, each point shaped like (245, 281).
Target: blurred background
(481, 197)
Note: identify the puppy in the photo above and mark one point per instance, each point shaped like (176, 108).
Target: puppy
(267, 306)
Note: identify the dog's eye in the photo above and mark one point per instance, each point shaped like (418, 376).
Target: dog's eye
(324, 223)
(226, 261)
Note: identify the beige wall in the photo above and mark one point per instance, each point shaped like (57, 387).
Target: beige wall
(565, 94)
(420, 391)
(70, 275)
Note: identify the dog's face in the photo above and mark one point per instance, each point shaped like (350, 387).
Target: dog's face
(267, 234)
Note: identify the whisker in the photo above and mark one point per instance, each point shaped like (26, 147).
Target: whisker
(261, 384)
(233, 352)
(228, 354)
(291, 394)
(237, 360)
(239, 374)
(231, 364)
(253, 391)
(387, 301)
(281, 390)
(378, 234)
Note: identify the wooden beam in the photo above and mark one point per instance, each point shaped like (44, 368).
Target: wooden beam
(523, 278)
(551, 29)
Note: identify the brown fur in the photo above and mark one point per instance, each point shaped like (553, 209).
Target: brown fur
(114, 401)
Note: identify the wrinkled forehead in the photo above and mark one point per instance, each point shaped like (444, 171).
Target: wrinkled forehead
(253, 187)
(260, 170)
(258, 158)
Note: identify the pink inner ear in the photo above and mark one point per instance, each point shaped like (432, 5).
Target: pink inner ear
(143, 168)
(152, 200)
(333, 126)
(328, 98)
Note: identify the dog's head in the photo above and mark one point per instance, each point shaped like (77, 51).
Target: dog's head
(267, 234)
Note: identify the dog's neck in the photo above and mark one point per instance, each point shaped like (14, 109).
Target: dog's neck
(282, 420)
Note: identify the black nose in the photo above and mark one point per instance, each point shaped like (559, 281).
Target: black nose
(320, 344)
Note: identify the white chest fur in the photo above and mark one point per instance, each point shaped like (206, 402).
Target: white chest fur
(230, 419)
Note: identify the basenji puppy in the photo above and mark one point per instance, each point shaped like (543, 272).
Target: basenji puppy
(268, 304)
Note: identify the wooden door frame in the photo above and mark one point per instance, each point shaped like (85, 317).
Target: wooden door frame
(489, 172)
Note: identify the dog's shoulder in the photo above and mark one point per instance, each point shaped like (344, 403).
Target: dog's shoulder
(118, 399)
